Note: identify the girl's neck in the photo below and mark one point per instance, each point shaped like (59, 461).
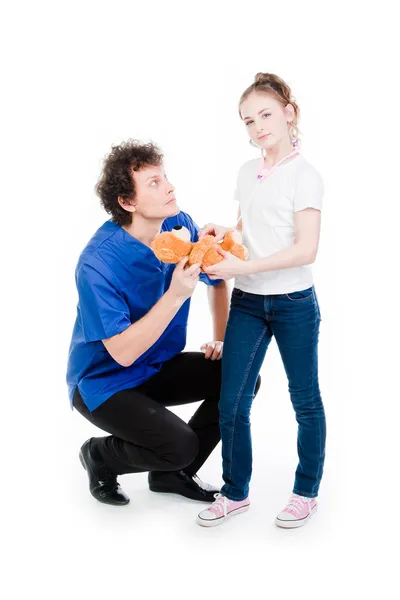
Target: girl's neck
(274, 154)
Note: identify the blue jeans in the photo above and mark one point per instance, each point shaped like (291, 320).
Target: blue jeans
(293, 319)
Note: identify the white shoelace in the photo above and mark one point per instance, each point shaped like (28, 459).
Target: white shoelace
(296, 504)
(221, 502)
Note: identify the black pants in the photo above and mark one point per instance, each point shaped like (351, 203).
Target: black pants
(145, 436)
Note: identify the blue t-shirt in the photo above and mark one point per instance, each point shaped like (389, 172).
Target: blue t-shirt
(119, 279)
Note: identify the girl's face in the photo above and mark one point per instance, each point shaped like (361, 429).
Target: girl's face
(266, 119)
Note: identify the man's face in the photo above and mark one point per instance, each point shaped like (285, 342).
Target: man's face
(155, 195)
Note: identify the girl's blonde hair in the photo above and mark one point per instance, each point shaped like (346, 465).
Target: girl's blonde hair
(272, 84)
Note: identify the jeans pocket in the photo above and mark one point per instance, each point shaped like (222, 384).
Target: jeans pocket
(301, 295)
(237, 293)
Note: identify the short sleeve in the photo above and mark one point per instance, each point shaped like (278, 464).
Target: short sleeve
(194, 230)
(103, 310)
(210, 282)
(309, 190)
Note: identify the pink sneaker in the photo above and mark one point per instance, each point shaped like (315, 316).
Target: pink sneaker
(220, 510)
(297, 512)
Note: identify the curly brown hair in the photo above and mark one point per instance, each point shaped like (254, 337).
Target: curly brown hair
(272, 84)
(116, 178)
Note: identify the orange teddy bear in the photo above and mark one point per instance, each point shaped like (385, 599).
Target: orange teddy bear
(172, 246)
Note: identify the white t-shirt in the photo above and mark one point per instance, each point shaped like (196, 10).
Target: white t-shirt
(268, 220)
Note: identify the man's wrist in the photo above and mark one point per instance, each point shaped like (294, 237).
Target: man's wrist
(173, 299)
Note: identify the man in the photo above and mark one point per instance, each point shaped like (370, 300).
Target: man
(126, 363)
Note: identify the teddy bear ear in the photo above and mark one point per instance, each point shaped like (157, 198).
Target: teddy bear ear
(181, 232)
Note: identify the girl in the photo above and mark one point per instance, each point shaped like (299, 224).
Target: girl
(279, 214)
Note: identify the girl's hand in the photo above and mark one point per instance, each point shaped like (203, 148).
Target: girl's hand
(230, 267)
(212, 229)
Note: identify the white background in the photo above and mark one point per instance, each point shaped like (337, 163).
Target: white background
(79, 77)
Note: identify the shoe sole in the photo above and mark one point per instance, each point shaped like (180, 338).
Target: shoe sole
(165, 490)
(220, 520)
(297, 523)
(98, 499)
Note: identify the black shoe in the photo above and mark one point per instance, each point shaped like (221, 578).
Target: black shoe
(179, 482)
(103, 483)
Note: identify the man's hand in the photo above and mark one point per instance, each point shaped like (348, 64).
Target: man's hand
(212, 350)
(212, 229)
(183, 280)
